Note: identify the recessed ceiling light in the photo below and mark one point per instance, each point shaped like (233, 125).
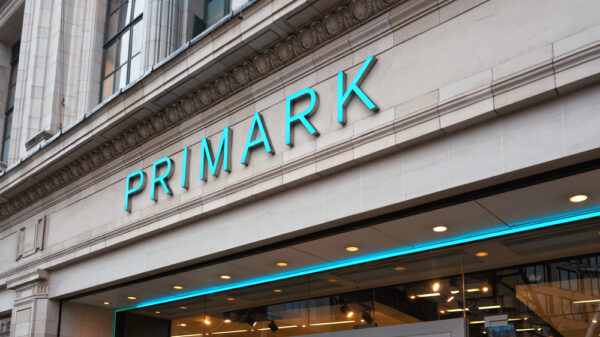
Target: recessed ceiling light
(399, 269)
(332, 280)
(578, 198)
(485, 289)
(282, 264)
(278, 290)
(177, 287)
(481, 254)
(225, 277)
(412, 297)
(442, 311)
(352, 248)
(230, 299)
(436, 286)
(227, 320)
(182, 308)
(131, 298)
(181, 324)
(207, 321)
(440, 229)
(157, 312)
(106, 302)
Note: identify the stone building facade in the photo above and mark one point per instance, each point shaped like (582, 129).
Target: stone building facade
(196, 167)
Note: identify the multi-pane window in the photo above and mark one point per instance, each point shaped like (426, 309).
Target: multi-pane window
(204, 14)
(122, 45)
(10, 105)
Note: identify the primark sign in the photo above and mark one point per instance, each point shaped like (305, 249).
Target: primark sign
(257, 139)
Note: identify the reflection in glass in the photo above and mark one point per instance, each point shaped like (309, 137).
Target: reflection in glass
(124, 18)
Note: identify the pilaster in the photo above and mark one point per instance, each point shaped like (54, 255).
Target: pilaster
(34, 314)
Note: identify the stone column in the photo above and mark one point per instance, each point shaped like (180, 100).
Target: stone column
(34, 314)
(162, 21)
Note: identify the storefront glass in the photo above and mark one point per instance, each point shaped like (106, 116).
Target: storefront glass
(539, 283)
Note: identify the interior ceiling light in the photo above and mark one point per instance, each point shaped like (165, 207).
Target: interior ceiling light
(157, 312)
(230, 299)
(131, 298)
(399, 269)
(273, 326)
(227, 320)
(329, 323)
(225, 277)
(440, 229)
(282, 264)
(457, 310)
(347, 311)
(450, 299)
(481, 254)
(473, 290)
(436, 286)
(487, 307)
(181, 324)
(182, 308)
(177, 287)
(352, 248)
(207, 321)
(428, 295)
(586, 301)
(578, 198)
(453, 292)
(106, 302)
(485, 289)
(278, 290)
(332, 280)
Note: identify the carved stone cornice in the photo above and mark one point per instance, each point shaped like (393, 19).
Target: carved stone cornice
(315, 34)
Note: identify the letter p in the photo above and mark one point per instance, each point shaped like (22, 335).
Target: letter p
(129, 191)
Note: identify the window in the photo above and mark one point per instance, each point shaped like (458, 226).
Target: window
(122, 45)
(203, 14)
(10, 104)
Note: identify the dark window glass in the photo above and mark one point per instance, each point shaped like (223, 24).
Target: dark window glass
(124, 19)
(10, 104)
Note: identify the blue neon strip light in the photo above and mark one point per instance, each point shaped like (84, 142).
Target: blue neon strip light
(457, 240)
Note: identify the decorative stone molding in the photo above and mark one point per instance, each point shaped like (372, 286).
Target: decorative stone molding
(41, 136)
(315, 34)
(31, 238)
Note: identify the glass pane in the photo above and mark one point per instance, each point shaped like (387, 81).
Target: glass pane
(553, 297)
(13, 75)
(122, 77)
(110, 59)
(5, 149)
(112, 27)
(11, 98)
(136, 42)
(125, 14)
(135, 68)
(139, 8)
(215, 10)
(107, 86)
(113, 4)
(123, 48)
(8, 125)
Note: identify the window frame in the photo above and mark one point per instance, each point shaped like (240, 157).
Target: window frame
(110, 41)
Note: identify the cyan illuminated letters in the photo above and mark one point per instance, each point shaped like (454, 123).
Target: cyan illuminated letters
(343, 97)
(162, 179)
(301, 117)
(256, 127)
(220, 160)
(258, 136)
(131, 191)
